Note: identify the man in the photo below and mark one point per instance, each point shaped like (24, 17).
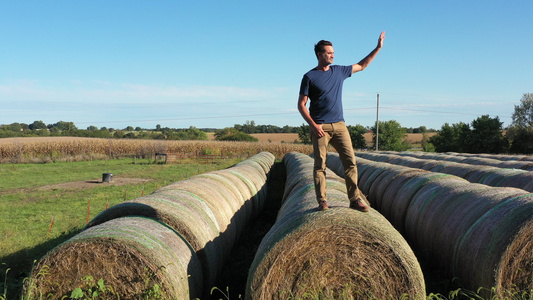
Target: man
(323, 85)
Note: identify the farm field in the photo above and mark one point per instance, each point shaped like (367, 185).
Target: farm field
(48, 203)
(413, 138)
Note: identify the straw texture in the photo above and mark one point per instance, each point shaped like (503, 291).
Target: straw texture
(330, 254)
(208, 212)
(478, 233)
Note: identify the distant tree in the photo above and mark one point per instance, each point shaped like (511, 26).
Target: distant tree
(232, 134)
(248, 127)
(187, 134)
(521, 140)
(520, 133)
(426, 145)
(452, 138)
(239, 136)
(392, 136)
(523, 113)
(129, 128)
(15, 127)
(422, 129)
(487, 136)
(119, 134)
(304, 134)
(92, 128)
(138, 128)
(219, 134)
(37, 125)
(67, 127)
(357, 136)
(288, 129)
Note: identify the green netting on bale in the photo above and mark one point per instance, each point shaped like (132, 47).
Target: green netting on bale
(130, 254)
(333, 253)
(209, 211)
(497, 250)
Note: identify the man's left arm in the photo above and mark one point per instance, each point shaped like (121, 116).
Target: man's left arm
(360, 66)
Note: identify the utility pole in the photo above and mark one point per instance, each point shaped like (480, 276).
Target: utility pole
(377, 125)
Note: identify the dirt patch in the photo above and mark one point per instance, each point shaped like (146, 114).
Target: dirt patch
(78, 185)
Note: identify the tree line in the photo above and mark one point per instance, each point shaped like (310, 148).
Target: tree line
(483, 135)
(63, 128)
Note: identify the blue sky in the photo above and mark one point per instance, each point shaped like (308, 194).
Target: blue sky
(213, 64)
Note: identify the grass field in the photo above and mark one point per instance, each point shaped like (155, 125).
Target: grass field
(42, 205)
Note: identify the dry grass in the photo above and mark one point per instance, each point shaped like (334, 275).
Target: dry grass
(48, 149)
(337, 254)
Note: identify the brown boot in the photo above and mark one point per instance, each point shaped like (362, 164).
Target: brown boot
(359, 204)
(323, 205)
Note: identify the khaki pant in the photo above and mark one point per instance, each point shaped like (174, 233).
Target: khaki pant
(338, 136)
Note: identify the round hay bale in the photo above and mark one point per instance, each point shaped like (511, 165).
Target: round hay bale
(124, 252)
(478, 175)
(439, 167)
(368, 177)
(411, 162)
(446, 212)
(362, 167)
(238, 189)
(257, 186)
(380, 183)
(263, 159)
(461, 170)
(220, 208)
(423, 197)
(494, 177)
(382, 193)
(334, 163)
(401, 192)
(389, 193)
(188, 215)
(331, 253)
(334, 253)
(496, 251)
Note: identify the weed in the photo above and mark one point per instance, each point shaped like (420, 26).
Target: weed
(93, 290)
(225, 295)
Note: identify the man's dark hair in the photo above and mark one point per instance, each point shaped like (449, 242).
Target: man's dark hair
(319, 47)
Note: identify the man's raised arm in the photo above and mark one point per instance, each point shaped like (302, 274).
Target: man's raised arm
(360, 66)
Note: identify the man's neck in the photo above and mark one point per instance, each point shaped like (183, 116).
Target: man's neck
(322, 67)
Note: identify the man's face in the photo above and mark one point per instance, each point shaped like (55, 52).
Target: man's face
(327, 56)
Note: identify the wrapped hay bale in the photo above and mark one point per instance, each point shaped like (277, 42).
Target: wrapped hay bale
(407, 161)
(494, 177)
(209, 210)
(332, 253)
(132, 255)
(522, 180)
(443, 211)
(372, 172)
(381, 184)
(401, 192)
(496, 251)
(479, 234)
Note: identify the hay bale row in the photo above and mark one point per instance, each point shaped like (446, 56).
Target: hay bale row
(484, 174)
(479, 234)
(525, 163)
(330, 254)
(194, 222)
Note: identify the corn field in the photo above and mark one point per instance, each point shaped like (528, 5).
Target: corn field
(49, 149)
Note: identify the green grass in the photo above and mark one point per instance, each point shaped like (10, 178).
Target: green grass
(29, 202)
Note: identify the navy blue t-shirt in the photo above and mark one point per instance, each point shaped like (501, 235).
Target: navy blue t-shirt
(324, 89)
